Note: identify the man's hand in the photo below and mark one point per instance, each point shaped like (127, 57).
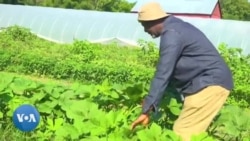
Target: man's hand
(142, 119)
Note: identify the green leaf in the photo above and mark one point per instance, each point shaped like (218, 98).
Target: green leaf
(57, 91)
(116, 137)
(79, 124)
(47, 106)
(114, 94)
(231, 129)
(201, 137)
(19, 85)
(171, 135)
(98, 131)
(84, 90)
(2, 87)
(5, 81)
(113, 118)
(1, 114)
(174, 107)
(145, 135)
(246, 139)
(64, 101)
(5, 97)
(156, 129)
(94, 138)
(15, 102)
(56, 124)
(68, 130)
(48, 89)
(37, 97)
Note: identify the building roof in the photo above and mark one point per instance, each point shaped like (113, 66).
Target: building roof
(182, 6)
(65, 25)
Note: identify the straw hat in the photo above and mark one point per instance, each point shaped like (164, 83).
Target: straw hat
(151, 11)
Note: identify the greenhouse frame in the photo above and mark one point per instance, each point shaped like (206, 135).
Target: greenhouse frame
(66, 25)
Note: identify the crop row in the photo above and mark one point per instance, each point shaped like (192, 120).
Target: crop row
(77, 111)
(23, 52)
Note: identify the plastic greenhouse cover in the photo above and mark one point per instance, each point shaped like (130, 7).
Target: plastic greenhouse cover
(65, 25)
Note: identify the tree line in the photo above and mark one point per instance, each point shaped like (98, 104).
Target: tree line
(235, 9)
(99, 5)
(231, 9)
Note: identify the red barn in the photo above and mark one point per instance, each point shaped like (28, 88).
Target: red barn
(187, 8)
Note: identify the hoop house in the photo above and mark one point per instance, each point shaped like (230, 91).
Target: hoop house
(65, 25)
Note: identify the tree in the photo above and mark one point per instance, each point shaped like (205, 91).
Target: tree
(235, 9)
(98, 5)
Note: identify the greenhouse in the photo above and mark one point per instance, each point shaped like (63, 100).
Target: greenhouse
(65, 25)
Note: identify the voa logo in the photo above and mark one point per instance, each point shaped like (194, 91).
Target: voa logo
(26, 118)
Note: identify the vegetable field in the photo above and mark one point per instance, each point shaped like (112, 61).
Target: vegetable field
(93, 92)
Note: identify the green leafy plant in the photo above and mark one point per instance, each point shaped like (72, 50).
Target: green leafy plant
(233, 124)
(108, 83)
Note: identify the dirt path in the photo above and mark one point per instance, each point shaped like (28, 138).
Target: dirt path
(40, 79)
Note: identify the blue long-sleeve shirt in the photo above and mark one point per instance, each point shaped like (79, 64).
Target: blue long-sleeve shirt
(188, 59)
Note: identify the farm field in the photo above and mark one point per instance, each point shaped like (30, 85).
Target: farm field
(93, 92)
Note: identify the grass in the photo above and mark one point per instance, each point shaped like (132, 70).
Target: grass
(11, 133)
(40, 79)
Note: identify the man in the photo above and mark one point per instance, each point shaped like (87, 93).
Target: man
(188, 59)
